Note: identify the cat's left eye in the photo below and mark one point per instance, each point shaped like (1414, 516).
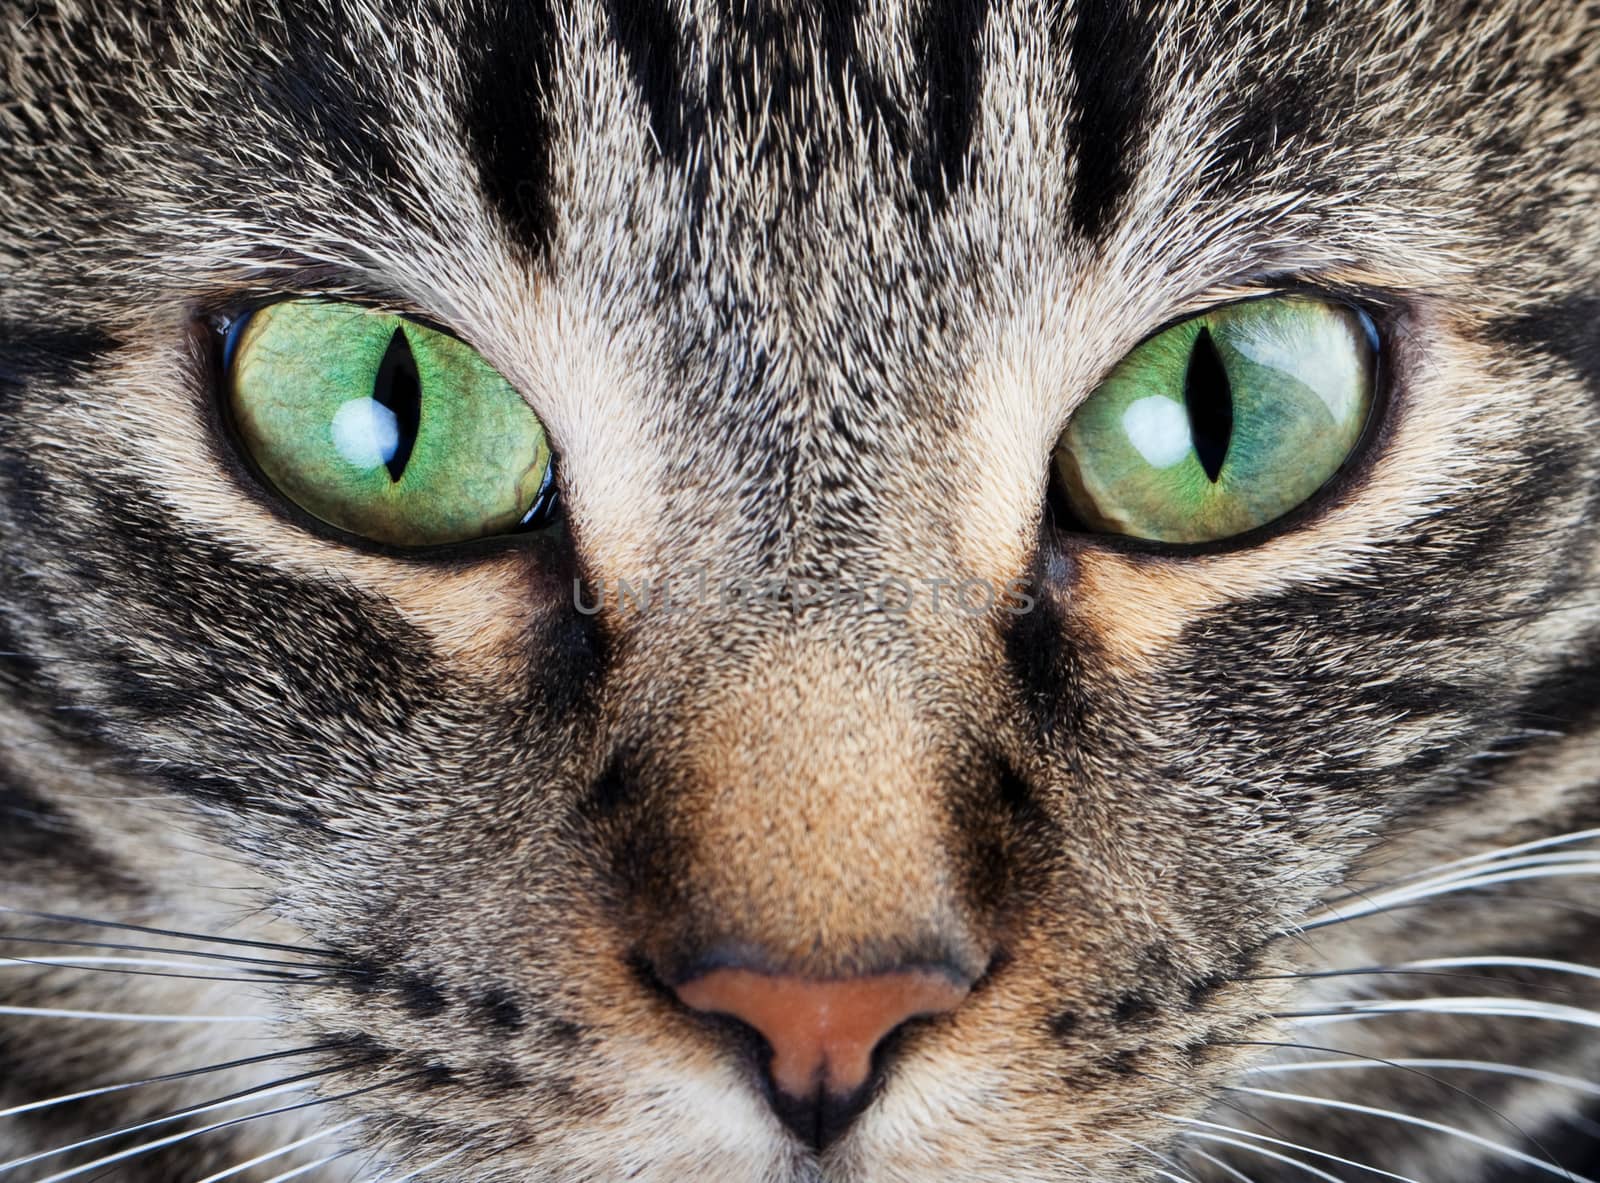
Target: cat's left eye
(383, 427)
(1222, 423)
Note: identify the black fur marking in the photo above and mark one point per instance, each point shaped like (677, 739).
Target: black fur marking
(1123, 1063)
(509, 59)
(641, 848)
(503, 1076)
(1063, 1025)
(503, 1010)
(33, 356)
(1134, 1007)
(323, 83)
(1568, 329)
(1018, 798)
(140, 689)
(35, 834)
(420, 996)
(568, 661)
(1203, 990)
(562, 1031)
(20, 672)
(651, 42)
(1278, 109)
(614, 789)
(762, 64)
(1109, 48)
(1006, 836)
(1043, 664)
(950, 34)
(436, 1075)
(1566, 701)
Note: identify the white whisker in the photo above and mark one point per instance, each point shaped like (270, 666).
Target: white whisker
(1499, 962)
(1577, 1084)
(1221, 1166)
(1264, 1151)
(1323, 1154)
(1490, 856)
(1538, 866)
(156, 1144)
(308, 1168)
(203, 938)
(242, 1098)
(424, 1168)
(67, 1098)
(153, 966)
(1545, 867)
(282, 1150)
(257, 964)
(1484, 1007)
(1489, 1144)
(46, 1012)
(1186, 1177)
(185, 1135)
(7, 962)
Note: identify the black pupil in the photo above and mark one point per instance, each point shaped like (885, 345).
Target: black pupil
(398, 388)
(1208, 396)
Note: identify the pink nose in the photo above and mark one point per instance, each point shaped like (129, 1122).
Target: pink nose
(822, 1033)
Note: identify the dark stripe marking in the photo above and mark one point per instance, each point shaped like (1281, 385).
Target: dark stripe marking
(762, 65)
(1109, 49)
(1567, 328)
(950, 34)
(322, 82)
(508, 58)
(651, 42)
(36, 835)
(55, 356)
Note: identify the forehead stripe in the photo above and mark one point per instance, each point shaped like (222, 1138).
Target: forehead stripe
(1109, 48)
(508, 60)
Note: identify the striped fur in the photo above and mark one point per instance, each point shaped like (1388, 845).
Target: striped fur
(803, 291)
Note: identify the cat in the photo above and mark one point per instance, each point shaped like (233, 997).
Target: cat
(743, 590)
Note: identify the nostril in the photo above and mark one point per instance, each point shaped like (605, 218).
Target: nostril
(823, 1032)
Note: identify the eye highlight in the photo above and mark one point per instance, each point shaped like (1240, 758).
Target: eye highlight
(1222, 423)
(383, 427)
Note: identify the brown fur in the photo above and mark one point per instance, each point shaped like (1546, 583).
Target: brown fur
(802, 293)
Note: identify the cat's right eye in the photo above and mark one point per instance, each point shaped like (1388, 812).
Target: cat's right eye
(1222, 423)
(383, 427)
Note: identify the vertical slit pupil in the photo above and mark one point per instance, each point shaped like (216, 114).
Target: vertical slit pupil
(1208, 397)
(398, 388)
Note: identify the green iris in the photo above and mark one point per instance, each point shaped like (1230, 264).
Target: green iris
(384, 428)
(1222, 423)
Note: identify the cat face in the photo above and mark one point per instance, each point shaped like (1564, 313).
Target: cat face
(803, 299)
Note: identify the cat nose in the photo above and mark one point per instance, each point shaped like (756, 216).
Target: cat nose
(823, 1033)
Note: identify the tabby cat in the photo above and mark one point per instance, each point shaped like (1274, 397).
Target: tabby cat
(869, 591)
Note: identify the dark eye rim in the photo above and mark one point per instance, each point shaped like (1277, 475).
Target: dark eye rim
(1386, 322)
(218, 334)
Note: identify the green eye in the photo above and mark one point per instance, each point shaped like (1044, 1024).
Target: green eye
(385, 428)
(1222, 423)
